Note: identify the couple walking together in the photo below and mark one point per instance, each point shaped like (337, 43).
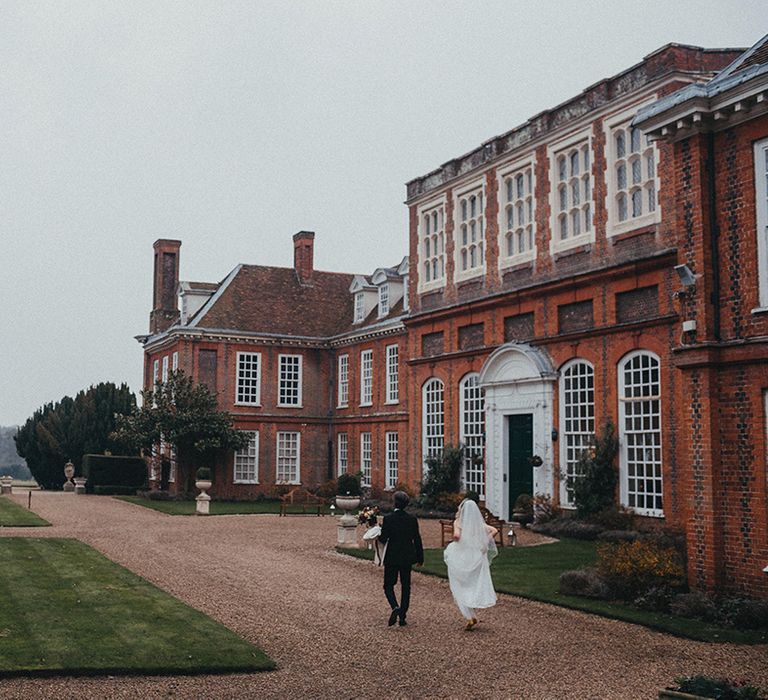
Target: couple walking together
(468, 559)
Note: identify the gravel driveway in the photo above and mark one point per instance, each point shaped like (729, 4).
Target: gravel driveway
(322, 617)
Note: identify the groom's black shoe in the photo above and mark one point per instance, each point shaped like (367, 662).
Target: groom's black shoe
(393, 617)
(403, 623)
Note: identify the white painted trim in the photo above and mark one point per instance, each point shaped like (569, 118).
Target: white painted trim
(476, 186)
(439, 202)
(339, 402)
(424, 386)
(522, 163)
(388, 384)
(339, 470)
(298, 455)
(366, 354)
(366, 448)
(761, 218)
(390, 483)
(254, 438)
(257, 401)
(299, 403)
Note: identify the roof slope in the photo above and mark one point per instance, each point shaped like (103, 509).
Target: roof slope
(261, 299)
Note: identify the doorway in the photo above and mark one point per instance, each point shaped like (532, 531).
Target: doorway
(520, 450)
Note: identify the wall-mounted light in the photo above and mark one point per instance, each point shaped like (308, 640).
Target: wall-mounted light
(686, 275)
(554, 434)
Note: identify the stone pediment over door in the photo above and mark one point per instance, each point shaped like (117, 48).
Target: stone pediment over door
(518, 379)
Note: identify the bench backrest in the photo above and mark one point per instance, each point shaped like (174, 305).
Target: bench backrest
(299, 495)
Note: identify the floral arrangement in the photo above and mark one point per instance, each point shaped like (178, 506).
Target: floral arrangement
(368, 516)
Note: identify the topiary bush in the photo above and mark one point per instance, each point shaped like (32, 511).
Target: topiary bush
(349, 484)
(114, 470)
(583, 582)
(594, 490)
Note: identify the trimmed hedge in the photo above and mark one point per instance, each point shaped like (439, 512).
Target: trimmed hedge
(114, 471)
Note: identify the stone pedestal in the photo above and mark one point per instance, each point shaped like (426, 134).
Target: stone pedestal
(347, 531)
(6, 485)
(68, 486)
(203, 500)
(80, 485)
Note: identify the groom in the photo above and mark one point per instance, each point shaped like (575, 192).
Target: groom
(400, 532)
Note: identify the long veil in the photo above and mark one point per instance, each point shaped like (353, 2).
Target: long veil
(473, 531)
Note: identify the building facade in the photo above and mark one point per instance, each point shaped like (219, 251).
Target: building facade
(605, 261)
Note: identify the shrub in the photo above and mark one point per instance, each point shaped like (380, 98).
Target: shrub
(696, 605)
(544, 510)
(631, 568)
(328, 489)
(619, 536)
(718, 688)
(114, 490)
(655, 599)
(203, 474)
(109, 470)
(583, 582)
(349, 484)
(405, 488)
(523, 504)
(595, 488)
(448, 502)
(443, 474)
(614, 518)
(744, 613)
(568, 527)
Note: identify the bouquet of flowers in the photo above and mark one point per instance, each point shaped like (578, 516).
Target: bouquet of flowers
(368, 516)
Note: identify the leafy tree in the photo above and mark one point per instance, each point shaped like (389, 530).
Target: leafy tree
(595, 488)
(187, 416)
(443, 474)
(68, 429)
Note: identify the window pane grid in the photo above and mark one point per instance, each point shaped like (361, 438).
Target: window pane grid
(470, 233)
(365, 458)
(343, 452)
(287, 458)
(518, 207)
(434, 418)
(641, 432)
(248, 377)
(432, 247)
(574, 192)
(634, 173)
(392, 369)
(473, 434)
(247, 460)
(366, 377)
(343, 380)
(578, 406)
(392, 458)
(290, 380)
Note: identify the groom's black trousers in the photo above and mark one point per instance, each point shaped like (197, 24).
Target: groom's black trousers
(391, 574)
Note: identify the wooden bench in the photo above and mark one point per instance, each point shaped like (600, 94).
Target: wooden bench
(299, 501)
(446, 527)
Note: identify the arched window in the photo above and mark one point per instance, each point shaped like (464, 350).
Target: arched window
(473, 433)
(577, 420)
(433, 417)
(640, 432)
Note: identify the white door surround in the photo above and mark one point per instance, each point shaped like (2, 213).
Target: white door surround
(517, 378)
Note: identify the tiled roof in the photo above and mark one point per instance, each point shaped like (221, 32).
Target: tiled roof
(262, 299)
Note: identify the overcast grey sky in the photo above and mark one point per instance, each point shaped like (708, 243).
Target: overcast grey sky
(232, 125)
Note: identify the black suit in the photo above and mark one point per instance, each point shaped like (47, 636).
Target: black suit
(400, 532)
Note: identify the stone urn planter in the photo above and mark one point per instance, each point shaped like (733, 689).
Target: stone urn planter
(347, 528)
(80, 482)
(6, 485)
(69, 472)
(203, 506)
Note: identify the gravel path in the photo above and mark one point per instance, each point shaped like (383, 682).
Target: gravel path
(322, 616)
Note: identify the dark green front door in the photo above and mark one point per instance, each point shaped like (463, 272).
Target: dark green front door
(520, 450)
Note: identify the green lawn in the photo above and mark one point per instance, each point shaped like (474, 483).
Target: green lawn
(533, 572)
(217, 507)
(66, 609)
(14, 515)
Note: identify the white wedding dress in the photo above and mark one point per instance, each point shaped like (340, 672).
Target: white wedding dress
(468, 561)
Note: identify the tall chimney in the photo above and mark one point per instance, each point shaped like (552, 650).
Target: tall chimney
(303, 252)
(165, 310)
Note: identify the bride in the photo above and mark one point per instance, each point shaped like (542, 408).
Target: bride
(468, 559)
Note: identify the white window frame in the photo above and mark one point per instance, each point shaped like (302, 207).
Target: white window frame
(577, 420)
(474, 189)
(611, 127)
(246, 461)
(366, 377)
(391, 441)
(761, 219)
(432, 419)
(175, 361)
(249, 385)
(342, 389)
(173, 459)
(155, 373)
(437, 240)
(472, 429)
(406, 294)
(527, 168)
(565, 147)
(342, 454)
(628, 441)
(392, 369)
(383, 299)
(359, 307)
(366, 458)
(280, 454)
(164, 375)
(281, 387)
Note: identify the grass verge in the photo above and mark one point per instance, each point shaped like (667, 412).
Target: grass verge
(14, 515)
(533, 572)
(65, 609)
(217, 507)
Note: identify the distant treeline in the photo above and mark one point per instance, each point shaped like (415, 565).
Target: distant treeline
(10, 462)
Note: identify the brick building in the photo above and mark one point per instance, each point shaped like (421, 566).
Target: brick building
(547, 296)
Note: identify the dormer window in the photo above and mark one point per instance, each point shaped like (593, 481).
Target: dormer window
(359, 307)
(383, 299)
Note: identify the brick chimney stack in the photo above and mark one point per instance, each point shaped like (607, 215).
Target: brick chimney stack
(165, 309)
(303, 252)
